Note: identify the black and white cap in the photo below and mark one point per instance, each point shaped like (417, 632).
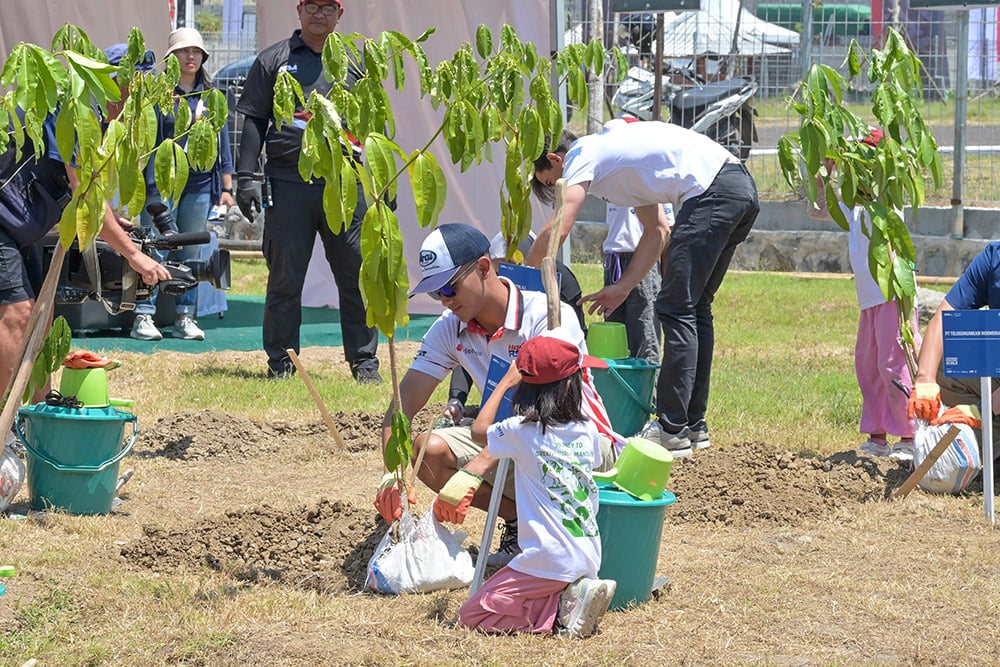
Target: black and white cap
(444, 252)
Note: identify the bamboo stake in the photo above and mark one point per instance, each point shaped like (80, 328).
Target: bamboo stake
(319, 401)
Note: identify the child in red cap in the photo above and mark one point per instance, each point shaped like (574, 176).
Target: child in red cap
(552, 585)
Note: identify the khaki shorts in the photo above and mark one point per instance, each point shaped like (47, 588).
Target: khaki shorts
(461, 444)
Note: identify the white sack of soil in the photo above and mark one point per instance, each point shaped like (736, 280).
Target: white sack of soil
(427, 557)
(957, 466)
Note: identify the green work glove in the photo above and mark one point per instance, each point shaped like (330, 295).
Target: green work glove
(455, 496)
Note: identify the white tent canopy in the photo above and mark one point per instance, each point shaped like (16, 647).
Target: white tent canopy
(709, 30)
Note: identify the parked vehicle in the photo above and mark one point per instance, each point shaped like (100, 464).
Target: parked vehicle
(720, 110)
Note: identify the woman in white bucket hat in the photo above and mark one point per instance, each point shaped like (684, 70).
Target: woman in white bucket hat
(204, 189)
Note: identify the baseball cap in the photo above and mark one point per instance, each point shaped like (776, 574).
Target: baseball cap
(116, 52)
(550, 358)
(445, 250)
(182, 38)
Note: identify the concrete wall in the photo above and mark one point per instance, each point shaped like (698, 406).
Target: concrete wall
(785, 238)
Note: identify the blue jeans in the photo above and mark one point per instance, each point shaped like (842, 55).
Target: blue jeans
(191, 215)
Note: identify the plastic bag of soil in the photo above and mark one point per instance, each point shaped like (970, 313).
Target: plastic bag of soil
(11, 473)
(956, 467)
(425, 557)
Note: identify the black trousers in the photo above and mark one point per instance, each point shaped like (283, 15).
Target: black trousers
(706, 232)
(290, 228)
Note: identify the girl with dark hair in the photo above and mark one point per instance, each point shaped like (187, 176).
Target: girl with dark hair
(551, 586)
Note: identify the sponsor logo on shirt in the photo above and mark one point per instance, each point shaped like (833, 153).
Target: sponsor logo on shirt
(290, 68)
(512, 351)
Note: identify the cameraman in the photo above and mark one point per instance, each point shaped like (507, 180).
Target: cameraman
(33, 194)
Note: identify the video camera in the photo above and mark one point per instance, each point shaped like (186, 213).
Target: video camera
(120, 283)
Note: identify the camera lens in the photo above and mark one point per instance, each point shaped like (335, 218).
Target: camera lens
(162, 220)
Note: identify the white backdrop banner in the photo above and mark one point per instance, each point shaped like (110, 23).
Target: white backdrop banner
(473, 197)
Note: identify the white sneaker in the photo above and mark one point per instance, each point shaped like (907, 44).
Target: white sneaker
(903, 451)
(582, 604)
(876, 448)
(144, 329)
(187, 329)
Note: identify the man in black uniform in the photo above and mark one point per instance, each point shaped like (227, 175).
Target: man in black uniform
(296, 214)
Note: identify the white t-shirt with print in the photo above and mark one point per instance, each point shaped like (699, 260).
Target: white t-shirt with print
(645, 163)
(556, 496)
(449, 343)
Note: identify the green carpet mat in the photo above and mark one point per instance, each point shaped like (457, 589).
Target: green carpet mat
(240, 329)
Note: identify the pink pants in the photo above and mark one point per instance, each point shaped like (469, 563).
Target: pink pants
(878, 360)
(511, 601)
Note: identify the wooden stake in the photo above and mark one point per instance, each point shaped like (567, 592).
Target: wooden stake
(554, 318)
(925, 465)
(319, 401)
(34, 336)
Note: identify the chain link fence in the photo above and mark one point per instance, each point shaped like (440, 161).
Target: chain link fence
(771, 42)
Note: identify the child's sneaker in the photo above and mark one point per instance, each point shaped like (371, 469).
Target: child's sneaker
(508, 546)
(582, 604)
(903, 451)
(876, 448)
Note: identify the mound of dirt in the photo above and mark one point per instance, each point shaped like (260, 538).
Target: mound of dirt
(323, 548)
(753, 483)
(327, 547)
(201, 434)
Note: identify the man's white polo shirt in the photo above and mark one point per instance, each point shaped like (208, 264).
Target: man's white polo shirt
(450, 342)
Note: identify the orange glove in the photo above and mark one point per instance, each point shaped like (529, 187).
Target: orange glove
(960, 414)
(454, 498)
(84, 359)
(388, 501)
(925, 401)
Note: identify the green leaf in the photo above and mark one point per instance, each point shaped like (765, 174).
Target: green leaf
(287, 93)
(333, 204)
(380, 160)
(66, 130)
(833, 205)
(398, 448)
(203, 145)
(170, 168)
(218, 108)
(484, 41)
(532, 139)
(182, 117)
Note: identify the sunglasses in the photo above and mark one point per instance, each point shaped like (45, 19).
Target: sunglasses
(448, 289)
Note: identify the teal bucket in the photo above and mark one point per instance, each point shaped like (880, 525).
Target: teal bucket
(630, 542)
(626, 387)
(73, 455)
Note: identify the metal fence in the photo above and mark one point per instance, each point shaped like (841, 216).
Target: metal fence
(772, 42)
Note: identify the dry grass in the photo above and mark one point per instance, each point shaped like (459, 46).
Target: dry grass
(905, 583)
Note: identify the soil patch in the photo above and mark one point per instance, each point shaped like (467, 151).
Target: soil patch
(202, 434)
(326, 546)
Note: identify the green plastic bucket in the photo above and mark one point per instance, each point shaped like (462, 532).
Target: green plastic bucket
(73, 455)
(626, 387)
(630, 542)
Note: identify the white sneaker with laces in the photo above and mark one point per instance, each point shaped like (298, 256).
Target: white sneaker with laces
(582, 604)
(508, 546)
(144, 329)
(876, 448)
(186, 328)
